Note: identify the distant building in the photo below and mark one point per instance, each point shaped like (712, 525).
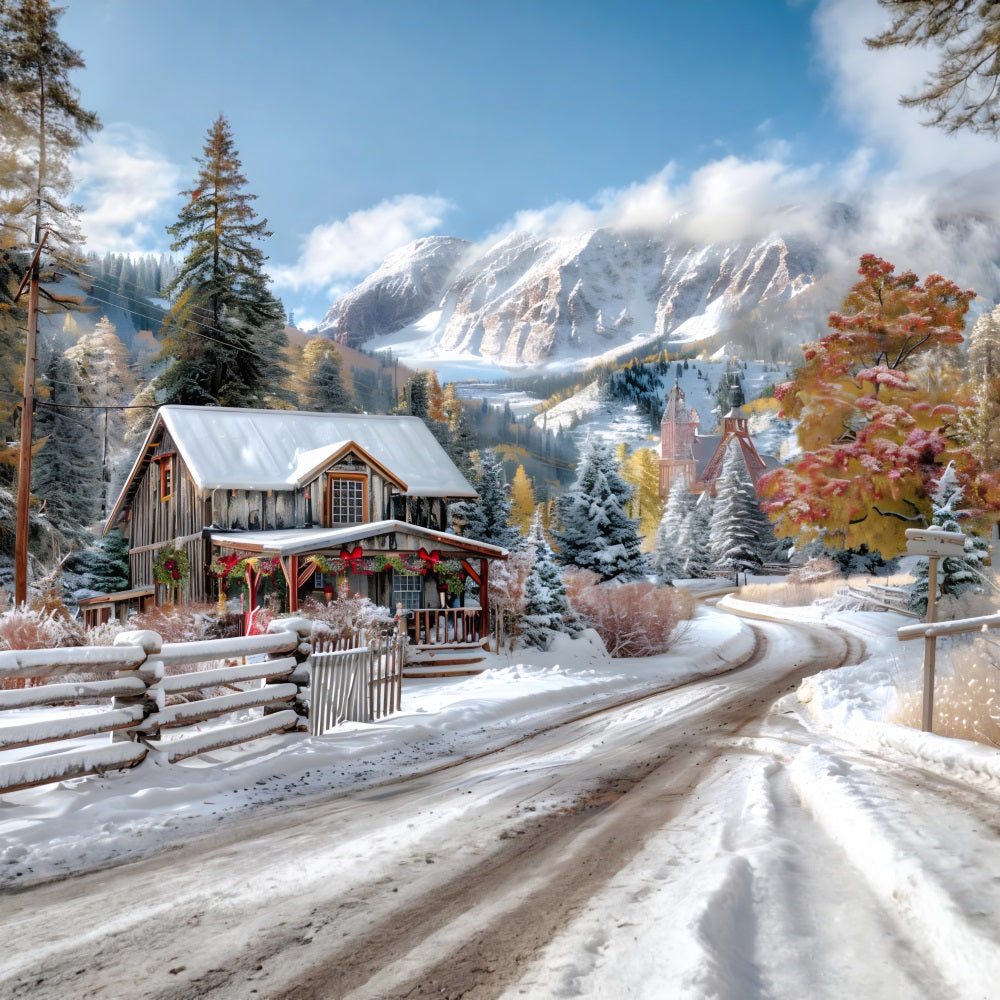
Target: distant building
(687, 456)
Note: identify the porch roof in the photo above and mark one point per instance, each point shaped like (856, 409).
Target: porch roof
(298, 541)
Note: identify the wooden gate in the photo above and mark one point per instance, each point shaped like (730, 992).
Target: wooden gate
(359, 684)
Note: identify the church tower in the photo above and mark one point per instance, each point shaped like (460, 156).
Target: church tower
(678, 430)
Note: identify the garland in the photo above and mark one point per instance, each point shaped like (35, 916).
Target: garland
(234, 567)
(171, 567)
(448, 571)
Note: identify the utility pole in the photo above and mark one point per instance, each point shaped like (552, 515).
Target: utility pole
(30, 279)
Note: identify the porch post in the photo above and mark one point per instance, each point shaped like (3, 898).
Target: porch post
(291, 572)
(484, 598)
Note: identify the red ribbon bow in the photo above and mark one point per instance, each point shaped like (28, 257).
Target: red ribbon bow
(352, 559)
(430, 557)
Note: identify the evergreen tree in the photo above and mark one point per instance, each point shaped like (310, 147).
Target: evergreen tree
(106, 382)
(956, 574)
(225, 330)
(667, 560)
(488, 518)
(111, 570)
(66, 472)
(325, 389)
(735, 539)
(41, 124)
(596, 532)
(692, 539)
(546, 603)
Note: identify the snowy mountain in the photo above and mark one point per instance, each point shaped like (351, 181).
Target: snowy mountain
(534, 300)
(566, 298)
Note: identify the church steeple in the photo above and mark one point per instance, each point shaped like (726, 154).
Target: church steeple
(678, 430)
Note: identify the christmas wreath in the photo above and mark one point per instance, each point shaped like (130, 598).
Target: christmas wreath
(171, 567)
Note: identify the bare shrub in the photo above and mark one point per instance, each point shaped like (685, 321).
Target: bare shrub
(348, 615)
(178, 622)
(791, 594)
(35, 628)
(966, 694)
(632, 619)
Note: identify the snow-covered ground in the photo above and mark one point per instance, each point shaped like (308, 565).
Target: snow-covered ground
(635, 938)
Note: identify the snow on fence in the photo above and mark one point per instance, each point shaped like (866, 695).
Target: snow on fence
(132, 674)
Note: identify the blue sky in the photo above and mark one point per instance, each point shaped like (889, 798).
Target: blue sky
(363, 125)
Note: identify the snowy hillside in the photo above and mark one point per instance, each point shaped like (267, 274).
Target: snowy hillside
(589, 413)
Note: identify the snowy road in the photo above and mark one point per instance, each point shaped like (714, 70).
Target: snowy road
(702, 842)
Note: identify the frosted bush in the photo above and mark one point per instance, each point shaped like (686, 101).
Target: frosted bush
(348, 615)
(633, 619)
(35, 628)
(966, 693)
(507, 595)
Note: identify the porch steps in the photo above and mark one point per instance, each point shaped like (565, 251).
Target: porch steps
(457, 659)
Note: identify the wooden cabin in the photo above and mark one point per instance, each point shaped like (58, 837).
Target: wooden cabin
(320, 497)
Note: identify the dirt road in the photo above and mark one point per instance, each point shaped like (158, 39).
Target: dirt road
(462, 882)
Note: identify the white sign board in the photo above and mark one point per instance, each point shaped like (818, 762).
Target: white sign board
(934, 542)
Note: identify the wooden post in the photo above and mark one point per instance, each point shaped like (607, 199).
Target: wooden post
(484, 600)
(930, 647)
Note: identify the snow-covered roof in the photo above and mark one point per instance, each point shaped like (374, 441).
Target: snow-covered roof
(231, 448)
(295, 541)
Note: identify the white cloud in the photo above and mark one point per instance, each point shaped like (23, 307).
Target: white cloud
(867, 84)
(127, 190)
(351, 248)
(921, 198)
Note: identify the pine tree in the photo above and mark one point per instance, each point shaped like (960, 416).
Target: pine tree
(225, 330)
(66, 472)
(325, 389)
(488, 518)
(41, 124)
(596, 532)
(667, 560)
(106, 380)
(735, 541)
(546, 603)
(956, 574)
(110, 574)
(692, 539)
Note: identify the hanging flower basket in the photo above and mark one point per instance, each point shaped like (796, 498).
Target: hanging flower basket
(171, 567)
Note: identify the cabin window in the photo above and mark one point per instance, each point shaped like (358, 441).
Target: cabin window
(408, 590)
(166, 463)
(346, 498)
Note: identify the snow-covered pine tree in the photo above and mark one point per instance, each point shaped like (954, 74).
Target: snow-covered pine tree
(666, 560)
(546, 604)
(111, 571)
(487, 519)
(66, 473)
(956, 575)
(735, 540)
(596, 531)
(692, 538)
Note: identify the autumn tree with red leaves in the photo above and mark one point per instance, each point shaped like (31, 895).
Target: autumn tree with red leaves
(877, 406)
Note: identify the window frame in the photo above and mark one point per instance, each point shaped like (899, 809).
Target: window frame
(333, 478)
(167, 477)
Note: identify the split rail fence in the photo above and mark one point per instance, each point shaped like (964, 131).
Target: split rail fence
(141, 706)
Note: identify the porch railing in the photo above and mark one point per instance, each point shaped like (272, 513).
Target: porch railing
(436, 626)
